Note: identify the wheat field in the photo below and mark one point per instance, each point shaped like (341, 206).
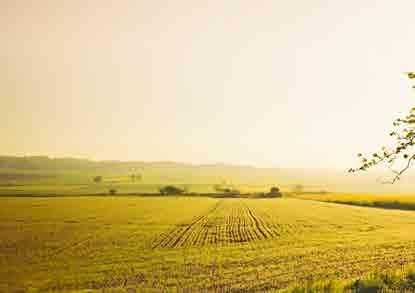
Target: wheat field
(194, 243)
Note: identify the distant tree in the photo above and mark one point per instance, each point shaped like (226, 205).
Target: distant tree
(135, 177)
(226, 190)
(275, 192)
(402, 152)
(113, 191)
(218, 188)
(297, 189)
(171, 190)
(231, 191)
(98, 179)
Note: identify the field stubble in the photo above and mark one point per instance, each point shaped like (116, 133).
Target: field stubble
(194, 243)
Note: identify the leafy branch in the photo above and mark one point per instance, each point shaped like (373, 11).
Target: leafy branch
(404, 134)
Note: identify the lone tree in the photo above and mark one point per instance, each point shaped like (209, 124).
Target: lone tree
(226, 190)
(402, 151)
(98, 179)
(135, 177)
(171, 190)
(274, 192)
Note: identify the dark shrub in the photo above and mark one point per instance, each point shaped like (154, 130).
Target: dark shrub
(98, 179)
(232, 192)
(113, 191)
(226, 190)
(171, 189)
(274, 192)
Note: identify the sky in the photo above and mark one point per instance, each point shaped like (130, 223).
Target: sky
(296, 83)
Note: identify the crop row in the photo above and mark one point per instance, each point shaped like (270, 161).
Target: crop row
(225, 223)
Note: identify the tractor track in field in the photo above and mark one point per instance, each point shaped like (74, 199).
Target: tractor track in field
(259, 224)
(227, 222)
(181, 233)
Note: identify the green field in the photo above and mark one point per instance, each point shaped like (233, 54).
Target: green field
(387, 201)
(178, 243)
(80, 182)
(51, 177)
(40, 176)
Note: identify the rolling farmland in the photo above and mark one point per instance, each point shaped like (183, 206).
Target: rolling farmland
(207, 146)
(195, 243)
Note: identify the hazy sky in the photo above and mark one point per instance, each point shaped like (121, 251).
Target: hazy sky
(270, 83)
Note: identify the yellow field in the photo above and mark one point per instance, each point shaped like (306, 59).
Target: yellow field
(172, 243)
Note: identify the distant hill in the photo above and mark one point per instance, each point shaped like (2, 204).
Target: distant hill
(181, 173)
